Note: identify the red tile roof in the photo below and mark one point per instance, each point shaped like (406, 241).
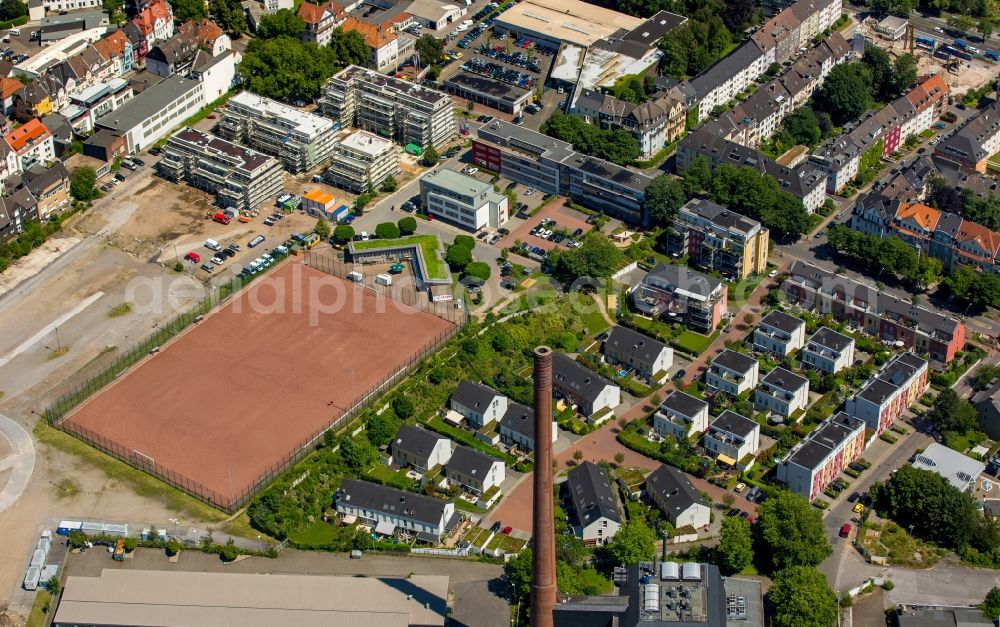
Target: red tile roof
(925, 217)
(203, 31)
(986, 239)
(374, 37)
(33, 131)
(146, 19)
(8, 86)
(312, 13)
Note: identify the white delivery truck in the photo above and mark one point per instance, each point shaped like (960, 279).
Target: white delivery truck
(356, 276)
(211, 244)
(384, 279)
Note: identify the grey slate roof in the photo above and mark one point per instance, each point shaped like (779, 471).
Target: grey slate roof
(783, 321)
(470, 462)
(785, 379)
(683, 403)
(824, 439)
(474, 395)
(643, 350)
(727, 67)
(591, 493)
(828, 338)
(685, 278)
(415, 441)
(390, 501)
(674, 489)
(520, 419)
(571, 374)
(737, 362)
(731, 422)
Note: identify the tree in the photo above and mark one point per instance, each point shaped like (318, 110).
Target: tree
(962, 23)
(322, 228)
(83, 184)
(846, 92)
(287, 69)
(792, 531)
(986, 28)
(382, 428)
(904, 72)
(634, 542)
(407, 225)
(735, 550)
(402, 406)
(803, 127)
(389, 185)
(131, 543)
(433, 72)
(343, 233)
(616, 146)
(53, 585)
(802, 598)
(664, 197)
(283, 23)
(229, 552)
(879, 65)
(430, 156)
(349, 47)
(479, 270)
(387, 230)
(578, 455)
(358, 454)
(187, 10)
(698, 177)
(465, 240)
(518, 572)
(951, 412)
(430, 49)
(229, 15)
(979, 289)
(173, 547)
(458, 257)
(12, 9)
(619, 458)
(991, 604)
(596, 257)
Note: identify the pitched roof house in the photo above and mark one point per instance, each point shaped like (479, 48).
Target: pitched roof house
(672, 491)
(420, 448)
(594, 505)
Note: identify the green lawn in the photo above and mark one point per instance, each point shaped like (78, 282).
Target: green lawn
(317, 534)
(429, 245)
(694, 343)
(395, 478)
(40, 610)
(927, 133)
(595, 322)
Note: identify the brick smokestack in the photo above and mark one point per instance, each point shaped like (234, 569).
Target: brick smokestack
(543, 567)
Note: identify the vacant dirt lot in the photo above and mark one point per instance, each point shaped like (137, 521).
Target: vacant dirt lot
(249, 385)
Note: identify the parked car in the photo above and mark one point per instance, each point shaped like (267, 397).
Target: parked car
(854, 497)
(495, 239)
(845, 530)
(679, 375)
(507, 531)
(207, 268)
(193, 257)
(255, 242)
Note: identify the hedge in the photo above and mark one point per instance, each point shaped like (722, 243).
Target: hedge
(17, 21)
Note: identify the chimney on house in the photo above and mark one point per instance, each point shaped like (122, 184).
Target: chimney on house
(543, 568)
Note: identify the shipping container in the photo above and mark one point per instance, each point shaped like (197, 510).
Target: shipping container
(93, 528)
(960, 43)
(384, 279)
(31, 578)
(66, 526)
(44, 544)
(38, 558)
(116, 530)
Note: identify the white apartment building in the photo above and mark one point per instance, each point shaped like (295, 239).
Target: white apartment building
(411, 114)
(159, 109)
(680, 415)
(732, 438)
(779, 333)
(362, 160)
(828, 351)
(782, 392)
(732, 373)
(386, 509)
(301, 140)
(463, 200)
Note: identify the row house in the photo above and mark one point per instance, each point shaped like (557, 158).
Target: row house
(9, 87)
(640, 353)
(880, 315)
(386, 509)
(31, 144)
(943, 235)
(812, 464)
(48, 187)
(480, 405)
(172, 57)
(593, 503)
(908, 115)
(320, 21)
(969, 148)
(778, 40)
(679, 294)
(475, 472)
(517, 428)
(779, 334)
(154, 23)
(805, 181)
(39, 98)
(673, 493)
(884, 399)
(808, 72)
(420, 449)
(594, 396)
(680, 416)
(654, 123)
(732, 373)
(716, 238)
(95, 102)
(733, 439)
(207, 35)
(782, 392)
(828, 351)
(117, 48)
(16, 211)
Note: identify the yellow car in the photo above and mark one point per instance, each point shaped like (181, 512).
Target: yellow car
(739, 487)
(458, 55)
(858, 507)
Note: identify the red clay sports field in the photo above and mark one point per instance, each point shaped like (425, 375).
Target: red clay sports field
(245, 388)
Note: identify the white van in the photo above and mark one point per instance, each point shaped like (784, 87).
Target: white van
(364, 236)
(211, 244)
(355, 276)
(15, 32)
(384, 279)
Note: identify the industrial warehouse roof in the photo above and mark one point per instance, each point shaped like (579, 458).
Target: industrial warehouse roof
(195, 599)
(570, 21)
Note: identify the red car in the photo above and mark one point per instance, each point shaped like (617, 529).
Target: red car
(845, 531)
(506, 531)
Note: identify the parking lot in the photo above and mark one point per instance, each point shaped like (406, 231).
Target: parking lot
(564, 220)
